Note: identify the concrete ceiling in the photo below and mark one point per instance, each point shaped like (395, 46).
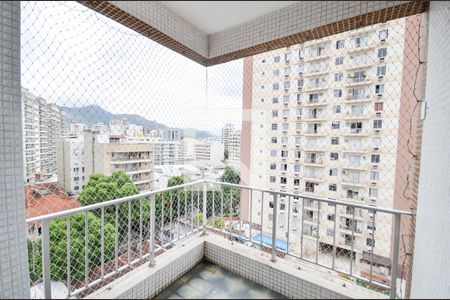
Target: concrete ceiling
(214, 16)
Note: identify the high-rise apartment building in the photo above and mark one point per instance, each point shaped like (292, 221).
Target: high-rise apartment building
(231, 139)
(43, 124)
(326, 121)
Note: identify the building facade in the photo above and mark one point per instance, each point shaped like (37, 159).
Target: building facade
(43, 124)
(326, 121)
(106, 154)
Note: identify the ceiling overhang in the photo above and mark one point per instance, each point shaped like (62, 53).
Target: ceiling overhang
(255, 36)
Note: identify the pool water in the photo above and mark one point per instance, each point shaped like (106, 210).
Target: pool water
(209, 281)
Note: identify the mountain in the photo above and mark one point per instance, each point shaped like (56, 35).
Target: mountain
(92, 114)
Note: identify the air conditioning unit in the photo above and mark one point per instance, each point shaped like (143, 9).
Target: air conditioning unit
(374, 183)
(376, 148)
(382, 40)
(380, 77)
(379, 95)
(300, 87)
(296, 174)
(286, 90)
(286, 76)
(381, 58)
(378, 113)
(375, 166)
(377, 130)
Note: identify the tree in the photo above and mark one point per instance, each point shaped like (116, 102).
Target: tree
(178, 180)
(58, 247)
(226, 153)
(230, 175)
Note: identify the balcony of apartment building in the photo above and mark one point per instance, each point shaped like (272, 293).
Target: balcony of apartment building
(130, 157)
(210, 239)
(314, 115)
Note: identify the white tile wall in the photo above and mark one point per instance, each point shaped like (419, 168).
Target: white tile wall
(303, 16)
(266, 275)
(13, 244)
(431, 267)
(165, 20)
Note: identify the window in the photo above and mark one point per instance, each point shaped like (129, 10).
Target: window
(330, 232)
(262, 86)
(333, 172)
(285, 126)
(284, 153)
(301, 69)
(373, 193)
(376, 142)
(314, 68)
(360, 59)
(332, 187)
(361, 41)
(383, 34)
(274, 126)
(297, 154)
(374, 175)
(298, 126)
(335, 140)
(357, 110)
(282, 206)
(381, 70)
(273, 153)
(276, 59)
(335, 124)
(314, 52)
(284, 140)
(340, 44)
(287, 84)
(359, 76)
(339, 60)
(296, 182)
(287, 71)
(338, 76)
(379, 89)
(337, 93)
(263, 61)
(276, 73)
(301, 53)
(275, 86)
(296, 168)
(378, 106)
(375, 158)
(334, 156)
(358, 93)
(377, 124)
(330, 217)
(298, 140)
(287, 56)
(82, 169)
(275, 113)
(76, 169)
(382, 53)
(76, 188)
(283, 180)
(370, 242)
(274, 140)
(76, 178)
(275, 100)
(336, 109)
(285, 112)
(273, 166)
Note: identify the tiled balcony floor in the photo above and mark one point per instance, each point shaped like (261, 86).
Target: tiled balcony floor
(209, 281)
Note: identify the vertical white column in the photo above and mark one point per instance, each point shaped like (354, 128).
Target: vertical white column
(14, 280)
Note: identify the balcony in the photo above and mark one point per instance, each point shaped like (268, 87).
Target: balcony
(195, 224)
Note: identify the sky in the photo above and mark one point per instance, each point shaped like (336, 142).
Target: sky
(73, 56)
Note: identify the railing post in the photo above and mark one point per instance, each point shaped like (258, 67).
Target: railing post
(152, 230)
(46, 260)
(205, 196)
(274, 227)
(395, 256)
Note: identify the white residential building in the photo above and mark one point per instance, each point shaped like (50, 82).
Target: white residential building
(325, 122)
(44, 123)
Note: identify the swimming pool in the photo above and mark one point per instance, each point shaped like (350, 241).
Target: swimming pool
(267, 241)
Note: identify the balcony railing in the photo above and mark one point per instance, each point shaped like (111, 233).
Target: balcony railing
(135, 229)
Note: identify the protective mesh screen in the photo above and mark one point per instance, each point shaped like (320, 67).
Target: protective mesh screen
(109, 113)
